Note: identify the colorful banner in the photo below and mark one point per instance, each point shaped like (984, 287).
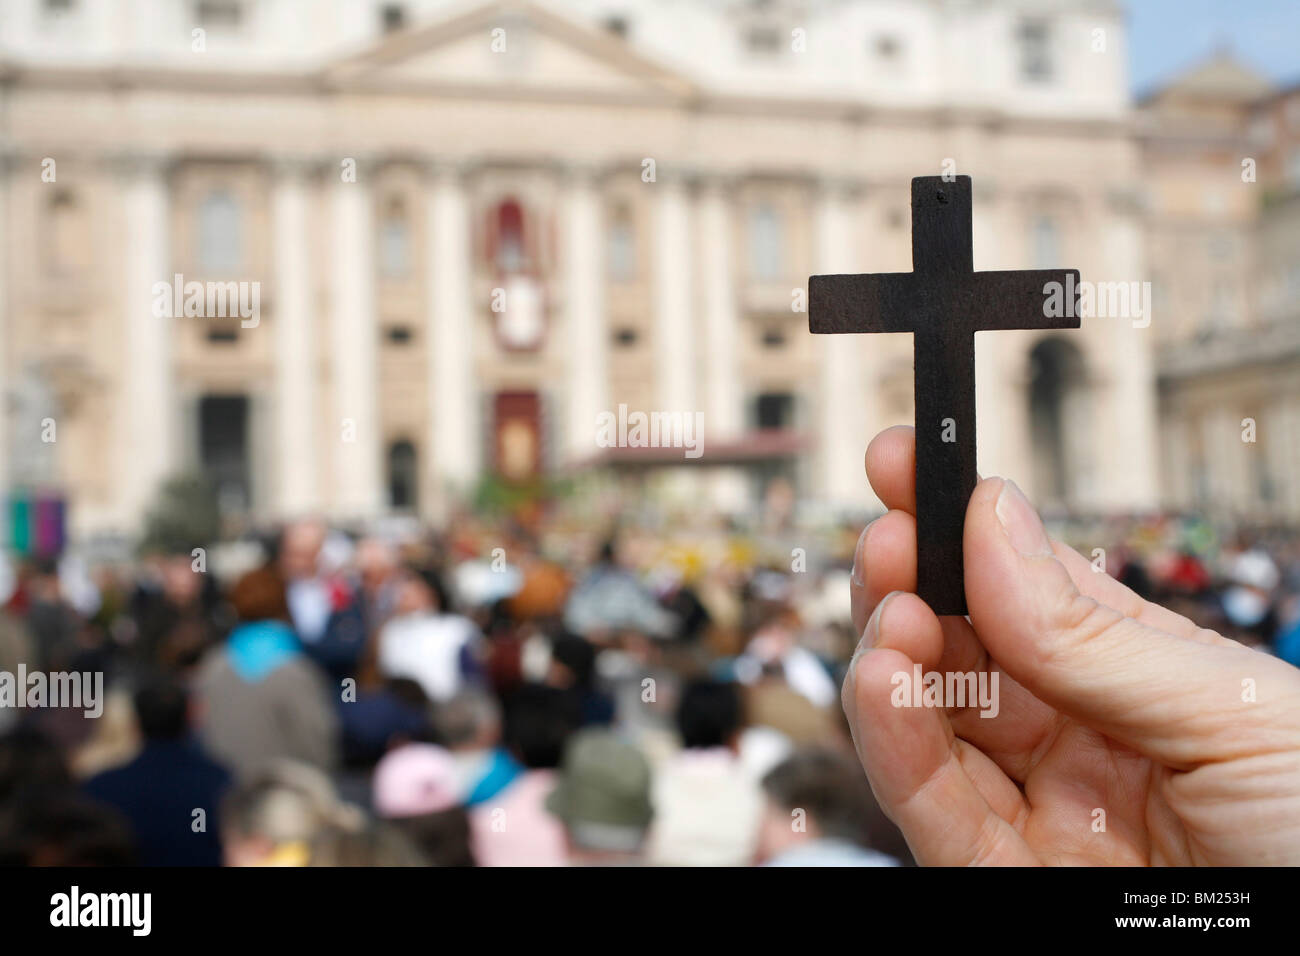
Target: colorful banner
(37, 524)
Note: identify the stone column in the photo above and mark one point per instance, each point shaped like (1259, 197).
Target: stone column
(724, 404)
(353, 346)
(296, 465)
(585, 325)
(842, 432)
(1129, 430)
(1289, 461)
(6, 161)
(454, 411)
(674, 329)
(149, 412)
(1176, 492)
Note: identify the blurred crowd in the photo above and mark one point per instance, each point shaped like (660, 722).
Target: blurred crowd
(505, 691)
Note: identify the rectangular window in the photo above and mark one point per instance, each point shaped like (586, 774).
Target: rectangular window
(218, 14)
(1034, 39)
(763, 40)
(392, 17)
(1047, 243)
(621, 249)
(766, 242)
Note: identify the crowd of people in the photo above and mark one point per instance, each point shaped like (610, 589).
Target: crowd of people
(500, 692)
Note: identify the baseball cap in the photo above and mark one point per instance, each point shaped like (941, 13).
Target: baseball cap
(416, 779)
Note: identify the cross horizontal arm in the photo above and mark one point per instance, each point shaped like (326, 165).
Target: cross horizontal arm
(880, 302)
(1023, 299)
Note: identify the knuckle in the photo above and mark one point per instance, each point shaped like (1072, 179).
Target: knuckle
(1076, 621)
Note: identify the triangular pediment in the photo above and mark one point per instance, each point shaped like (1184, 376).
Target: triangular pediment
(508, 46)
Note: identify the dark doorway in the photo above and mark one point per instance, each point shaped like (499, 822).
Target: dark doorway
(403, 476)
(1059, 420)
(774, 410)
(223, 449)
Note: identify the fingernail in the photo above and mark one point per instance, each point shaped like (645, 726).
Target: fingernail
(871, 635)
(858, 578)
(1021, 522)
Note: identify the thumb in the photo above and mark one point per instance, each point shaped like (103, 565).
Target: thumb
(1175, 699)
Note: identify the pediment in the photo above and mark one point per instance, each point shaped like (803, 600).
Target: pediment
(508, 46)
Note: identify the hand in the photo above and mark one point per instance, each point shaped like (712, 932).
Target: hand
(1186, 742)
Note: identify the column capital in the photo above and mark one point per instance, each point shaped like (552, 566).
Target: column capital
(296, 165)
(455, 168)
(140, 163)
(718, 181)
(987, 191)
(571, 171)
(841, 185)
(11, 159)
(365, 165)
(1127, 200)
(671, 173)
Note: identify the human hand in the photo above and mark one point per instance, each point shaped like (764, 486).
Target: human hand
(1189, 743)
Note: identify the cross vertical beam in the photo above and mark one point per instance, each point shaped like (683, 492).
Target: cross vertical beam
(944, 394)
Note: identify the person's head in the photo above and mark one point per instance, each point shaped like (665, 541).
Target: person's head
(63, 828)
(415, 779)
(471, 720)
(376, 562)
(418, 788)
(162, 709)
(271, 817)
(538, 722)
(259, 596)
(573, 662)
(42, 581)
(709, 714)
(29, 760)
(375, 844)
(181, 584)
(420, 591)
(299, 549)
(602, 796)
(818, 794)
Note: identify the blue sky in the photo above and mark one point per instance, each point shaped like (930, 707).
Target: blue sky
(1167, 35)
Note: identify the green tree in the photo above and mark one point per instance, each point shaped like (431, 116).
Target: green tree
(184, 516)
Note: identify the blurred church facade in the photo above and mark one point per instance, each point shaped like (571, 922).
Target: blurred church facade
(477, 226)
(1221, 148)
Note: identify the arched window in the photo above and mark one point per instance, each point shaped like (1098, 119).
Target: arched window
(765, 242)
(394, 239)
(621, 254)
(509, 253)
(219, 234)
(403, 476)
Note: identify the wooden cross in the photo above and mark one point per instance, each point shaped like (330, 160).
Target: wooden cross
(943, 302)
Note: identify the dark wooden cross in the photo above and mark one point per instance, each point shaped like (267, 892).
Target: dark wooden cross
(943, 302)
